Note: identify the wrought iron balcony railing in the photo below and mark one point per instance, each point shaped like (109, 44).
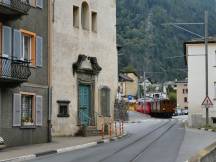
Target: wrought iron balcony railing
(14, 70)
(14, 7)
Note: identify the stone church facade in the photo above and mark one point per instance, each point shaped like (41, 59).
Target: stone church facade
(84, 64)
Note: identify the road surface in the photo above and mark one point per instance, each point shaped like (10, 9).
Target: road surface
(148, 140)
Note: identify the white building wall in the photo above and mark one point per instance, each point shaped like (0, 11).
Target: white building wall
(68, 43)
(196, 82)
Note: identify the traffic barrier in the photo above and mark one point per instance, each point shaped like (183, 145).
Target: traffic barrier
(120, 128)
(110, 130)
(116, 133)
(102, 131)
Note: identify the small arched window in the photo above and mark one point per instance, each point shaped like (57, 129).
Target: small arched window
(85, 16)
(105, 101)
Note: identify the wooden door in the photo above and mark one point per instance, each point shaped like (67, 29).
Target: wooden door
(84, 104)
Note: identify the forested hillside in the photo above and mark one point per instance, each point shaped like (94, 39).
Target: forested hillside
(149, 45)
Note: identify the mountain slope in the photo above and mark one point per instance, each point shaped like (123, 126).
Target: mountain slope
(148, 44)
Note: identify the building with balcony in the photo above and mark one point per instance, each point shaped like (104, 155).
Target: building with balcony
(84, 65)
(24, 71)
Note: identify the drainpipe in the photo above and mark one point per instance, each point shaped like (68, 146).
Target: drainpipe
(49, 122)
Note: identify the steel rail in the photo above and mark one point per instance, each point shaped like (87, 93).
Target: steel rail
(140, 154)
(136, 141)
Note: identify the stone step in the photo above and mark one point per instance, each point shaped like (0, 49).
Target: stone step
(88, 131)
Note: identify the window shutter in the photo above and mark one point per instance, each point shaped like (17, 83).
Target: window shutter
(17, 50)
(7, 1)
(39, 51)
(16, 110)
(105, 101)
(39, 3)
(39, 110)
(7, 38)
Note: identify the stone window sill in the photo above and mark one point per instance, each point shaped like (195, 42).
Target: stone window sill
(28, 127)
(63, 115)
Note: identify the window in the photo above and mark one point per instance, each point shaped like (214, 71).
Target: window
(94, 21)
(186, 91)
(32, 3)
(185, 99)
(215, 90)
(76, 16)
(28, 44)
(27, 110)
(39, 3)
(85, 16)
(215, 59)
(63, 108)
(183, 91)
(105, 101)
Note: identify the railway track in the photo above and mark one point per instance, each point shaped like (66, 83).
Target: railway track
(162, 130)
(139, 155)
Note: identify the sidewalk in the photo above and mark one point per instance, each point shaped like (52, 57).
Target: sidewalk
(194, 141)
(59, 143)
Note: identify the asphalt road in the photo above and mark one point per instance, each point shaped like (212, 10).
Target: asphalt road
(150, 140)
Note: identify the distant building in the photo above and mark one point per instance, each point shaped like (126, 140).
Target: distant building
(128, 84)
(182, 94)
(194, 52)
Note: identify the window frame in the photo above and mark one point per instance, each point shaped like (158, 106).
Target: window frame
(32, 44)
(33, 95)
(85, 16)
(105, 112)
(94, 24)
(63, 103)
(185, 99)
(76, 18)
(23, 47)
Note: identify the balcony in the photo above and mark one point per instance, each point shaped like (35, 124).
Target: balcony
(13, 71)
(14, 7)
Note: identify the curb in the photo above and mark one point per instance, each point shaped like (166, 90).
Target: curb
(62, 150)
(207, 152)
(209, 130)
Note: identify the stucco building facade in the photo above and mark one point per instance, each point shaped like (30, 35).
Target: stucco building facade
(182, 94)
(84, 64)
(195, 58)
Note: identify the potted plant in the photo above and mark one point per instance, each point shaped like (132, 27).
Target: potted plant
(2, 143)
(27, 121)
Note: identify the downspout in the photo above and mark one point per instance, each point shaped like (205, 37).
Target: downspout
(49, 121)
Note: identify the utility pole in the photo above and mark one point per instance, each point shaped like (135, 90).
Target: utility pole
(144, 86)
(206, 63)
(205, 24)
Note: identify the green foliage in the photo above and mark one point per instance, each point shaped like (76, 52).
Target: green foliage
(172, 96)
(129, 69)
(147, 44)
